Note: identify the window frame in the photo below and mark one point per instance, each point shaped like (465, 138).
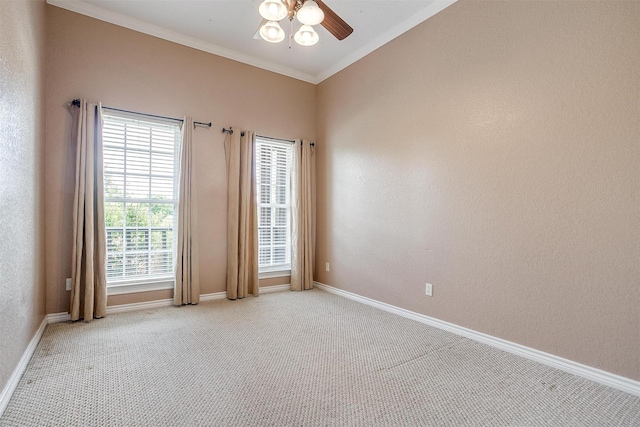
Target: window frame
(150, 282)
(284, 269)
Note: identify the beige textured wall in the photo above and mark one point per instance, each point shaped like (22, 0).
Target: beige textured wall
(22, 292)
(125, 69)
(494, 151)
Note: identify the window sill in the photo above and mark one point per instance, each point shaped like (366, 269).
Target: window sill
(273, 274)
(136, 286)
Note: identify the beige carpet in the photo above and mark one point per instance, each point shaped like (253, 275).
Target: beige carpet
(292, 359)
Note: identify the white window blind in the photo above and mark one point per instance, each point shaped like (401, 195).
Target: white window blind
(273, 179)
(140, 179)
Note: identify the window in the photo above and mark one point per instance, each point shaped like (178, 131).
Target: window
(273, 180)
(140, 186)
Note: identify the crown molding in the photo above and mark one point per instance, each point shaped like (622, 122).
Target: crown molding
(172, 36)
(384, 38)
(154, 30)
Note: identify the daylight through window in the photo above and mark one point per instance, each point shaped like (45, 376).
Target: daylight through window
(140, 186)
(273, 179)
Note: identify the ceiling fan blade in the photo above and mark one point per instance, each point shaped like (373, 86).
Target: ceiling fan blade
(257, 34)
(333, 23)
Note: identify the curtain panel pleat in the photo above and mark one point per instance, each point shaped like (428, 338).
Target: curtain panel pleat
(303, 215)
(242, 219)
(88, 270)
(187, 281)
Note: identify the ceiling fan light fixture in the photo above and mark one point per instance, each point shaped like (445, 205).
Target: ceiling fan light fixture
(272, 32)
(310, 13)
(306, 36)
(273, 10)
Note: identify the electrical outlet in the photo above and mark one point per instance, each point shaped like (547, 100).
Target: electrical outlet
(428, 290)
(69, 283)
(326, 267)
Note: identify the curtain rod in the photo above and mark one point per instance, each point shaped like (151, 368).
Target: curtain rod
(230, 132)
(76, 102)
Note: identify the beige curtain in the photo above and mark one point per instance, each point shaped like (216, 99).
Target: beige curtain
(242, 219)
(303, 214)
(88, 271)
(187, 283)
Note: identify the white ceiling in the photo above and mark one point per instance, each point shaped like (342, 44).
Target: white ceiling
(227, 27)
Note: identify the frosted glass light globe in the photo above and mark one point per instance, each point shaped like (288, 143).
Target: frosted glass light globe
(272, 32)
(306, 36)
(310, 13)
(272, 10)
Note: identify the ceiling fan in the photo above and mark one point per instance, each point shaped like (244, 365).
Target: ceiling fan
(308, 12)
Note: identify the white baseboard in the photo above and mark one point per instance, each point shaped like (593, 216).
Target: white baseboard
(263, 290)
(213, 296)
(58, 317)
(274, 288)
(11, 385)
(597, 375)
(122, 308)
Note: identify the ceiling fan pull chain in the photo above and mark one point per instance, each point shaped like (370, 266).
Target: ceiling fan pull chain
(290, 31)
